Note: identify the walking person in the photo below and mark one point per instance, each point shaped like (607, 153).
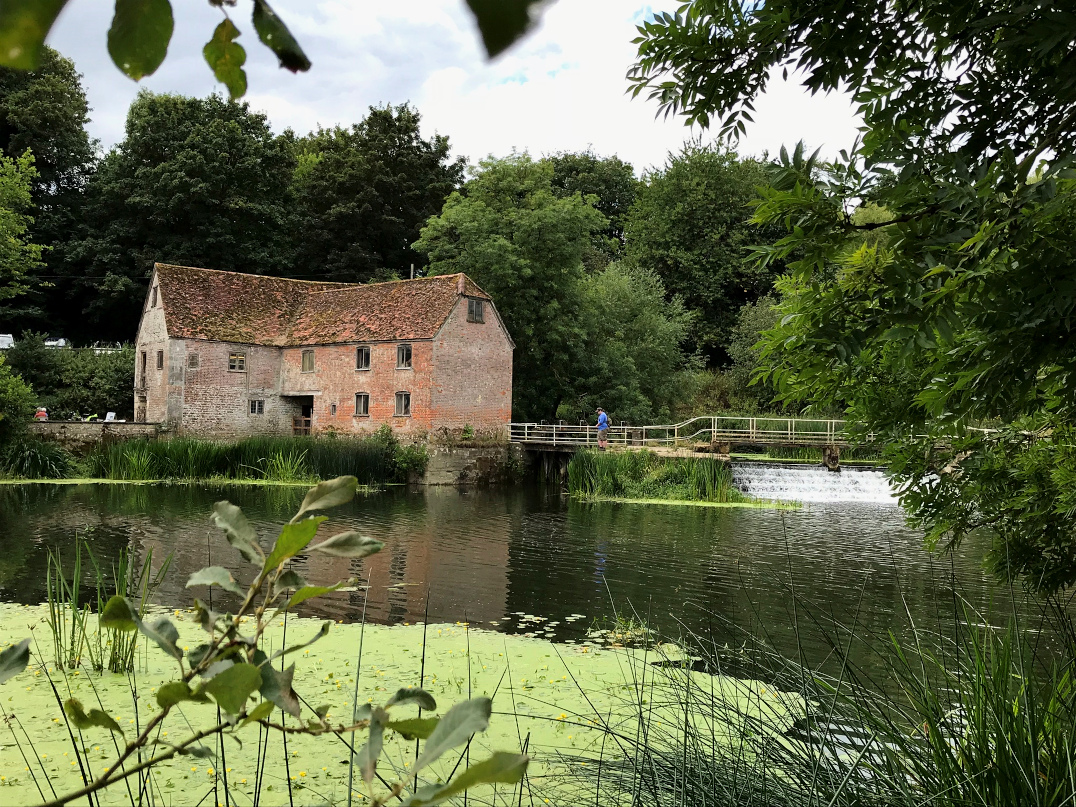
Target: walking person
(603, 429)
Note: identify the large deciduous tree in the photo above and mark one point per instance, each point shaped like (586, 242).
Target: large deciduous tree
(952, 337)
(611, 182)
(690, 224)
(44, 110)
(198, 181)
(362, 195)
(18, 256)
(524, 245)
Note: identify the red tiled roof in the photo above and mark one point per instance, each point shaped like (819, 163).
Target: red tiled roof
(260, 310)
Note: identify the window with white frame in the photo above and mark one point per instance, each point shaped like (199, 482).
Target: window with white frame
(237, 362)
(362, 357)
(403, 404)
(403, 357)
(362, 404)
(308, 361)
(257, 407)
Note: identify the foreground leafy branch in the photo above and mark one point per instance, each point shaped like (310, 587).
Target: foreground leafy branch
(233, 671)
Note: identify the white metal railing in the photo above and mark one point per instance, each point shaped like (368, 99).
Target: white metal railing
(712, 429)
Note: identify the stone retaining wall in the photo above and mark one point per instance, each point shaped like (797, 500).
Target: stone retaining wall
(463, 465)
(81, 436)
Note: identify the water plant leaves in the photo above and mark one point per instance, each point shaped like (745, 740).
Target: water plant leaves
(24, 24)
(502, 768)
(368, 755)
(276, 686)
(118, 615)
(195, 657)
(454, 728)
(226, 58)
(139, 36)
(231, 688)
(77, 715)
(293, 539)
(308, 592)
(276, 36)
(330, 493)
(216, 668)
(323, 631)
(414, 728)
(230, 519)
(215, 576)
(259, 712)
(349, 545)
(13, 660)
(413, 695)
(501, 22)
(164, 633)
(207, 617)
(177, 692)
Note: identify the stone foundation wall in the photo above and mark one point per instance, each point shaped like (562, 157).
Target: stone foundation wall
(80, 437)
(462, 465)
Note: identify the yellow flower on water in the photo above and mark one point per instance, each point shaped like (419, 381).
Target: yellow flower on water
(193, 768)
(302, 773)
(561, 716)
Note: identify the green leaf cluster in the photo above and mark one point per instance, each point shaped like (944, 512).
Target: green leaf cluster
(930, 267)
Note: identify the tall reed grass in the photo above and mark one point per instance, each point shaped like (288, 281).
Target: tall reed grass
(76, 635)
(981, 718)
(376, 459)
(645, 475)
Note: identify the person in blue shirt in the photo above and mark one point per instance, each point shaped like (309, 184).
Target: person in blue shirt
(603, 429)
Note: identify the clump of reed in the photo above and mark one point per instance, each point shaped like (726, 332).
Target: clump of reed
(375, 459)
(982, 717)
(76, 635)
(645, 475)
(36, 458)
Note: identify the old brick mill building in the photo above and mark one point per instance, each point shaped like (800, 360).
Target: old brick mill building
(223, 354)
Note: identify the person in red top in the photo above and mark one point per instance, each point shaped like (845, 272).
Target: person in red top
(41, 414)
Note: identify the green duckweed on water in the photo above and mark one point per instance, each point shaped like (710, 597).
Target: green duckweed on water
(549, 697)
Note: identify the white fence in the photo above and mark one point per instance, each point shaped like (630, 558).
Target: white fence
(763, 431)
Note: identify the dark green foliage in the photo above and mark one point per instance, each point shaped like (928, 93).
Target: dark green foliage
(76, 383)
(961, 315)
(524, 246)
(196, 181)
(690, 224)
(16, 403)
(745, 353)
(373, 460)
(362, 194)
(645, 475)
(44, 110)
(613, 184)
(35, 458)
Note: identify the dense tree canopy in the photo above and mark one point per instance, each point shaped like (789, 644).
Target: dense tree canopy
(18, 256)
(524, 246)
(45, 111)
(362, 194)
(690, 224)
(962, 316)
(611, 182)
(196, 181)
(608, 338)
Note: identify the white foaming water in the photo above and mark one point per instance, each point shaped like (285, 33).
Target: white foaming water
(812, 483)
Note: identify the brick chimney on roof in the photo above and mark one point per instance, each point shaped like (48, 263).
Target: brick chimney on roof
(459, 283)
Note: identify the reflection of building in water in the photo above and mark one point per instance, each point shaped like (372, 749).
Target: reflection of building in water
(439, 542)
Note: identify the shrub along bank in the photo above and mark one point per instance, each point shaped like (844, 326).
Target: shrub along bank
(645, 475)
(377, 459)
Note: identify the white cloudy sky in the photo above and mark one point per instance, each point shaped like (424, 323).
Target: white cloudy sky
(561, 89)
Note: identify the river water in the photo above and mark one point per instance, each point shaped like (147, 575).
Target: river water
(495, 557)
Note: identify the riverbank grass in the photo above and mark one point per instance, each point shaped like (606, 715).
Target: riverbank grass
(643, 477)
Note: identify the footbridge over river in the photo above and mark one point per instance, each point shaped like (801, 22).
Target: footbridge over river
(718, 435)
